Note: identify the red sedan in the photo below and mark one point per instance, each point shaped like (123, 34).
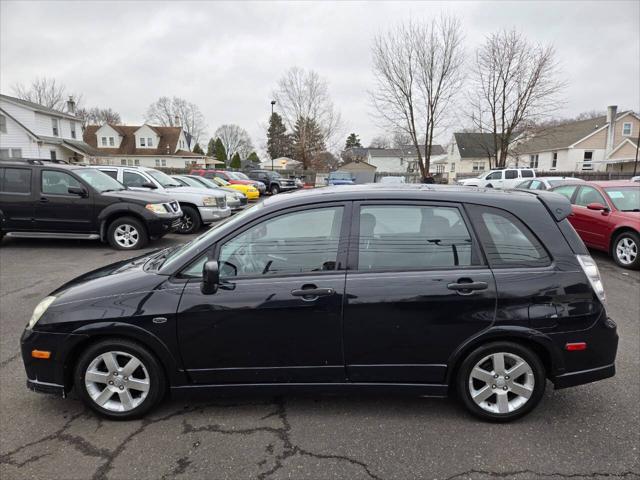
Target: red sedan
(606, 215)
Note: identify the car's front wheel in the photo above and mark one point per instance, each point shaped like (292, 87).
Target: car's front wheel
(501, 381)
(191, 221)
(626, 248)
(119, 379)
(127, 233)
(275, 189)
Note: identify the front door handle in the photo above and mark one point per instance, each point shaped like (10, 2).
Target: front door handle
(312, 293)
(467, 288)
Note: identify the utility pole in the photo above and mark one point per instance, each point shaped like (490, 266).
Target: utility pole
(273, 102)
(635, 165)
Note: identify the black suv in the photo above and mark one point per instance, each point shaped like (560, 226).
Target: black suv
(56, 200)
(412, 289)
(275, 182)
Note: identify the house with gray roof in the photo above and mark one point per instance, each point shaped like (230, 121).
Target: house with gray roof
(31, 130)
(401, 160)
(470, 152)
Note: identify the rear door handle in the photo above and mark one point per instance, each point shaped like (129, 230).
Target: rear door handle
(467, 288)
(44, 199)
(312, 293)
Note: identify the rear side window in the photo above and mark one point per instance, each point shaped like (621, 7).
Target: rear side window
(412, 237)
(527, 173)
(511, 174)
(15, 180)
(112, 173)
(566, 190)
(507, 242)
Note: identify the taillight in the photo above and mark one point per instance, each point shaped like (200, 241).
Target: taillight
(591, 271)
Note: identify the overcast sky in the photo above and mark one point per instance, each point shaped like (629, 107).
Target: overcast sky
(227, 57)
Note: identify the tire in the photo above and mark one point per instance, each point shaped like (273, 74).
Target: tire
(626, 250)
(191, 221)
(275, 189)
(127, 233)
(488, 186)
(112, 400)
(498, 406)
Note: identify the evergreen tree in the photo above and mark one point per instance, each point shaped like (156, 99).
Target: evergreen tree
(253, 158)
(236, 164)
(278, 142)
(211, 148)
(353, 141)
(308, 141)
(197, 149)
(220, 153)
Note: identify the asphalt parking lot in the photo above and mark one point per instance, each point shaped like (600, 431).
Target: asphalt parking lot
(591, 431)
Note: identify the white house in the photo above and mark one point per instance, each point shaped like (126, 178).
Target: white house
(281, 163)
(143, 145)
(30, 130)
(401, 160)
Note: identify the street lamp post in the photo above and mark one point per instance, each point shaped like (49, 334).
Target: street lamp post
(273, 103)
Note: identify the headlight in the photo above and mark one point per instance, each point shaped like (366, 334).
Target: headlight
(39, 311)
(231, 197)
(209, 201)
(156, 208)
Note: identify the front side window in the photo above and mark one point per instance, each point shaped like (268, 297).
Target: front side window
(507, 242)
(293, 243)
(132, 179)
(15, 180)
(404, 237)
(3, 124)
(57, 183)
(54, 127)
(102, 181)
(495, 176)
(587, 195)
(511, 174)
(626, 129)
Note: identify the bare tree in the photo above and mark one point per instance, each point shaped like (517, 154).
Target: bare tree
(98, 116)
(47, 92)
(177, 112)
(380, 141)
(235, 139)
(516, 86)
(303, 99)
(418, 71)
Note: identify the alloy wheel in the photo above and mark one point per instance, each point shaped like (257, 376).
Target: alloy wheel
(117, 381)
(501, 383)
(126, 235)
(187, 223)
(626, 250)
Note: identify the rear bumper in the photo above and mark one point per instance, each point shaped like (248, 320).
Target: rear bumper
(572, 379)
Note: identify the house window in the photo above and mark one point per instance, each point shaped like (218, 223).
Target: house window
(104, 141)
(149, 142)
(4, 154)
(626, 129)
(142, 142)
(53, 155)
(112, 143)
(136, 162)
(586, 163)
(3, 124)
(478, 167)
(453, 167)
(157, 162)
(16, 153)
(123, 161)
(533, 161)
(73, 129)
(130, 162)
(164, 162)
(554, 160)
(440, 168)
(54, 127)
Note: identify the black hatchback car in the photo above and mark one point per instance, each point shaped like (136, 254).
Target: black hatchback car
(418, 289)
(40, 199)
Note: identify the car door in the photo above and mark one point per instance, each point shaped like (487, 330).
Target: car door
(136, 181)
(57, 210)
(510, 178)
(591, 225)
(494, 179)
(17, 199)
(416, 289)
(277, 314)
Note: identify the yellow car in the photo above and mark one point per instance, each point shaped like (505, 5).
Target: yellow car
(252, 193)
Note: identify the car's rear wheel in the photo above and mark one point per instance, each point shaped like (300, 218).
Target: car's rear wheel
(119, 379)
(127, 233)
(191, 221)
(275, 189)
(501, 381)
(626, 250)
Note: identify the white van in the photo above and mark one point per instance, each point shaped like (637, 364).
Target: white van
(504, 178)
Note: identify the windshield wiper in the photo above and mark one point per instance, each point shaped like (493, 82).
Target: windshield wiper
(631, 210)
(113, 190)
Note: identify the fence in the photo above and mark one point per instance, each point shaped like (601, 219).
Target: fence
(410, 177)
(584, 175)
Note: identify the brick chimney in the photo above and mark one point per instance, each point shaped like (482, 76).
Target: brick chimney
(612, 111)
(176, 121)
(71, 106)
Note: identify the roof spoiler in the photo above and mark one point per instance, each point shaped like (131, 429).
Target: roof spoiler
(558, 205)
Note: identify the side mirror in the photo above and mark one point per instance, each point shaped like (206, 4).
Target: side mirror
(150, 185)
(597, 206)
(210, 277)
(81, 191)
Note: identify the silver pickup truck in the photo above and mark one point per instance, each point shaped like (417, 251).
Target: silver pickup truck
(199, 206)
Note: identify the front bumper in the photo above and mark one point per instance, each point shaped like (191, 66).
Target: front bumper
(213, 214)
(160, 226)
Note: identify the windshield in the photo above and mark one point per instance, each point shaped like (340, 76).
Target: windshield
(221, 182)
(100, 181)
(206, 182)
(191, 182)
(179, 255)
(162, 178)
(625, 199)
(239, 176)
(341, 175)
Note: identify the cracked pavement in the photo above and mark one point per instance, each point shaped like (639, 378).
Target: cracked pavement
(587, 432)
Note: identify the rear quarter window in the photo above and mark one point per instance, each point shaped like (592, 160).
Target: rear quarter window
(507, 242)
(15, 180)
